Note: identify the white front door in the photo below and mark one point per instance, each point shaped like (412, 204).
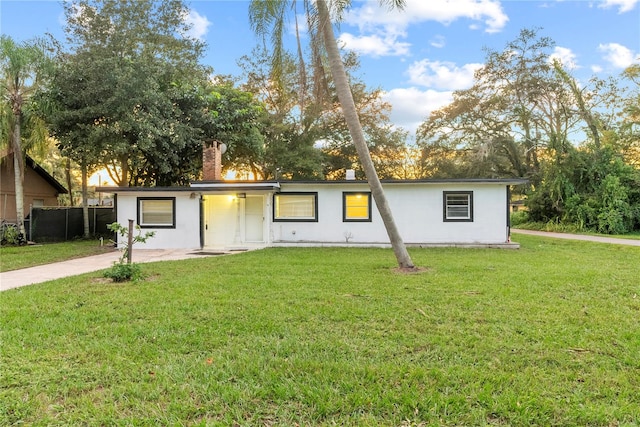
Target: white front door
(254, 218)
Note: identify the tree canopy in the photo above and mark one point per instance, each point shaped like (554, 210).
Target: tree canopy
(129, 96)
(527, 116)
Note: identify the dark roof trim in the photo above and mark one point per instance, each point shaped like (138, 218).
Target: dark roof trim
(203, 189)
(237, 181)
(113, 189)
(506, 181)
(243, 186)
(384, 181)
(46, 176)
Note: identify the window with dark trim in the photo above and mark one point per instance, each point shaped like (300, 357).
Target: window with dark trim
(298, 207)
(157, 212)
(356, 207)
(458, 206)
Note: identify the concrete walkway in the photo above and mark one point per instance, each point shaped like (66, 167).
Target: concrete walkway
(601, 239)
(44, 273)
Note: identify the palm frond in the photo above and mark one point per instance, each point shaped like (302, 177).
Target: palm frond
(268, 19)
(6, 125)
(394, 4)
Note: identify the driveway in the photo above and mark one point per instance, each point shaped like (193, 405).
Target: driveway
(601, 239)
(44, 273)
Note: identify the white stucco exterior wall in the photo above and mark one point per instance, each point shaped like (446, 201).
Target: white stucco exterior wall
(185, 235)
(417, 209)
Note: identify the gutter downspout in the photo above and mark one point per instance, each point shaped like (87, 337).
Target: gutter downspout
(508, 214)
(201, 222)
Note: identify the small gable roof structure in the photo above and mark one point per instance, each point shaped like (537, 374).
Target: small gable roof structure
(40, 188)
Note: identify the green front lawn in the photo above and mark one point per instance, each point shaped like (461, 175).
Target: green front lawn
(556, 228)
(17, 257)
(545, 335)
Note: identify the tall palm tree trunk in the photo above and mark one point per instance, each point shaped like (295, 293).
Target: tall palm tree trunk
(357, 135)
(20, 67)
(18, 169)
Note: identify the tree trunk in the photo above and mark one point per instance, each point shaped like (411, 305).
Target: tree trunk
(355, 130)
(18, 170)
(68, 175)
(124, 170)
(85, 205)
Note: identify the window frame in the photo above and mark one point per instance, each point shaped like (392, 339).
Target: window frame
(139, 202)
(345, 194)
(296, 219)
(445, 205)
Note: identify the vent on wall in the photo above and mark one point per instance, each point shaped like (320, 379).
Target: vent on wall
(351, 174)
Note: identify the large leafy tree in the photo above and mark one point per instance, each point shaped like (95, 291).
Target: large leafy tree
(516, 107)
(521, 108)
(23, 68)
(237, 119)
(268, 18)
(525, 115)
(307, 136)
(129, 95)
(289, 122)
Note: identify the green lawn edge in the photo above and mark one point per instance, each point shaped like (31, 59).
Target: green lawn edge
(545, 335)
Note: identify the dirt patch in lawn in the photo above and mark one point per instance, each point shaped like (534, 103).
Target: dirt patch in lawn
(411, 270)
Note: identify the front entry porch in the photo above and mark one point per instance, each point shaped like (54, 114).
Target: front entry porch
(234, 221)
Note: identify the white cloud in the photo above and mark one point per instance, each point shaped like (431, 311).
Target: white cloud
(442, 75)
(617, 55)
(412, 106)
(444, 11)
(622, 5)
(375, 45)
(382, 30)
(199, 24)
(565, 56)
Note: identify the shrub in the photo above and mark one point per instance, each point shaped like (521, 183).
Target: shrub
(593, 189)
(9, 235)
(519, 217)
(122, 272)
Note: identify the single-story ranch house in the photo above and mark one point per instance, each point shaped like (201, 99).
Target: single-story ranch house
(228, 215)
(236, 215)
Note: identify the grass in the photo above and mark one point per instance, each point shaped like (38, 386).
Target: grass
(519, 220)
(546, 335)
(564, 228)
(628, 236)
(17, 257)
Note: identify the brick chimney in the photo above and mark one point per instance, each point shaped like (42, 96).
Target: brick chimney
(212, 161)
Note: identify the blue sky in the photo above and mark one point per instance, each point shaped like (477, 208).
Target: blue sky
(418, 57)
